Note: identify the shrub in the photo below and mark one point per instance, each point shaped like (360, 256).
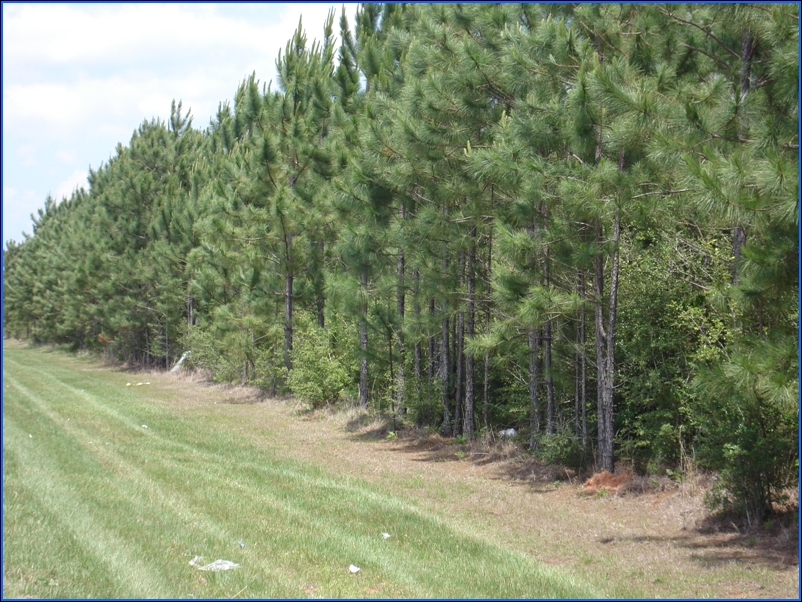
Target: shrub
(563, 448)
(748, 428)
(320, 373)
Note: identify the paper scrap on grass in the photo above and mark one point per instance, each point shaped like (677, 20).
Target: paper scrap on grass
(386, 535)
(354, 569)
(217, 565)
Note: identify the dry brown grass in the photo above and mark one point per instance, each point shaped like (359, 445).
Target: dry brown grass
(652, 532)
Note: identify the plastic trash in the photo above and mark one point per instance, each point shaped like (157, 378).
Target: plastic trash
(217, 565)
(144, 426)
(127, 384)
(354, 569)
(507, 433)
(29, 435)
(181, 361)
(386, 535)
(241, 544)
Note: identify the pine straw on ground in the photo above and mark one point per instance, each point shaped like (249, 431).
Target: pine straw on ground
(650, 532)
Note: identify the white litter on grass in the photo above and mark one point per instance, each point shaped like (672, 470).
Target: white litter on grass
(217, 565)
(181, 361)
(507, 433)
(386, 535)
(31, 436)
(241, 544)
(127, 384)
(144, 426)
(354, 569)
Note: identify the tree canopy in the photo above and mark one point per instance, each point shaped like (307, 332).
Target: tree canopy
(577, 220)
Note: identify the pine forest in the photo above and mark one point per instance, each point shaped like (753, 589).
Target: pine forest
(579, 221)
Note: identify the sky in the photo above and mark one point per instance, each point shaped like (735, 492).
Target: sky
(79, 78)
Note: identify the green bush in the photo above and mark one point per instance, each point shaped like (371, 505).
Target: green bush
(236, 355)
(748, 427)
(563, 448)
(321, 373)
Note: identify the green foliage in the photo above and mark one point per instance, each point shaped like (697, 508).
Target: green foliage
(748, 427)
(322, 368)
(472, 179)
(233, 355)
(562, 448)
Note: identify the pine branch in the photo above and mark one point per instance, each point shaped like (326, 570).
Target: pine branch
(721, 62)
(702, 29)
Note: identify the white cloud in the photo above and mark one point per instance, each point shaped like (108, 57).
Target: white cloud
(133, 59)
(96, 34)
(27, 154)
(76, 179)
(79, 78)
(67, 155)
(17, 209)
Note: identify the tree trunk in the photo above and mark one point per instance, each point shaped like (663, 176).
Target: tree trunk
(433, 367)
(416, 360)
(190, 309)
(288, 278)
(601, 361)
(288, 282)
(486, 399)
(320, 299)
(534, 415)
(469, 427)
(166, 342)
(605, 346)
(738, 241)
(550, 422)
(747, 49)
(444, 374)
(611, 325)
(363, 343)
(399, 339)
(390, 375)
(445, 365)
(458, 341)
(459, 374)
(582, 397)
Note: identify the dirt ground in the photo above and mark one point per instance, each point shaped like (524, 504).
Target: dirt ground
(652, 536)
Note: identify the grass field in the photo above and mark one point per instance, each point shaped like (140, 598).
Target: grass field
(111, 489)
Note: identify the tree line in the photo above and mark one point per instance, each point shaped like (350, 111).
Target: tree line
(577, 220)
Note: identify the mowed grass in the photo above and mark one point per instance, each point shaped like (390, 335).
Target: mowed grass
(109, 494)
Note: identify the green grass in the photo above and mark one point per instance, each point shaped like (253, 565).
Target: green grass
(96, 505)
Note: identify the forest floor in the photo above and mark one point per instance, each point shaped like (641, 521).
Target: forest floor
(654, 537)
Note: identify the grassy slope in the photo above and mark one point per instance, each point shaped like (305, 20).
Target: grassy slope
(97, 505)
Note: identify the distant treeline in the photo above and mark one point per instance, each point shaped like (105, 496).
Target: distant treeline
(576, 220)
